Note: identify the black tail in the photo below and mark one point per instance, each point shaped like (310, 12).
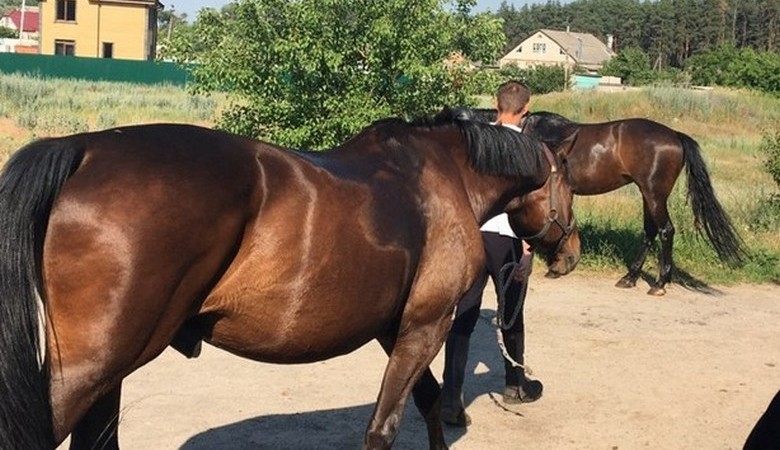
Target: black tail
(28, 186)
(707, 211)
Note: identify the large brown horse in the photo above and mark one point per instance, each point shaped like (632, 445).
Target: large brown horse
(601, 157)
(141, 237)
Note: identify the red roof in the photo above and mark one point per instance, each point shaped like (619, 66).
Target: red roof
(30, 20)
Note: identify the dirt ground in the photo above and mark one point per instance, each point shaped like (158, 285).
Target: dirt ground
(621, 370)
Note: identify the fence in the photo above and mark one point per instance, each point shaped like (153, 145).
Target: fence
(94, 69)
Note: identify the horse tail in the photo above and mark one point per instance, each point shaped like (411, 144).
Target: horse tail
(29, 183)
(707, 211)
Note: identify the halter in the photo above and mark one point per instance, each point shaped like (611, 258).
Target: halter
(552, 215)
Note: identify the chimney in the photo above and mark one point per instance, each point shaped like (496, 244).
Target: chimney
(567, 28)
(610, 41)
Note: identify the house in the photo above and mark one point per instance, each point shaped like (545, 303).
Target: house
(14, 20)
(26, 40)
(553, 47)
(122, 29)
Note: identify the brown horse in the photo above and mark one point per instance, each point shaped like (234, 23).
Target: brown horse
(601, 157)
(141, 237)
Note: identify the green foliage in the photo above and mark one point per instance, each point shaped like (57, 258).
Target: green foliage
(770, 146)
(9, 5)
(728, 66)
(539, 79)
(297, 82)
(632, 65)
(6, 32)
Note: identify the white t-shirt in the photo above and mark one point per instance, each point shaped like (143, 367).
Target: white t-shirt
(499, 224)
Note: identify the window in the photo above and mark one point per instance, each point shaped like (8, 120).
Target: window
(66, 48)
(66, 10)
(540, 47)
(108, 49)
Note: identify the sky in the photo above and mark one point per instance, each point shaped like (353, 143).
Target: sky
(191, 7)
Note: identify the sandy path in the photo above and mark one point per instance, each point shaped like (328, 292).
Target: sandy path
(622, 370)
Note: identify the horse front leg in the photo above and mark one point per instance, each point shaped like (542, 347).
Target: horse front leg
(411, 353)
(98, 428)
(427, 399)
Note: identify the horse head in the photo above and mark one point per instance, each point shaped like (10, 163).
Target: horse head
(545, 219)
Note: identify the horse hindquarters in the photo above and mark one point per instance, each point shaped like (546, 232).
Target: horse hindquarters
(28, 186)
(127, 259)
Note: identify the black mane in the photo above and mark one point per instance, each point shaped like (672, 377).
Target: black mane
(492, 150)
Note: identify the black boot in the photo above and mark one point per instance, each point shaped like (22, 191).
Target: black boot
(518, 387)
(456, 352)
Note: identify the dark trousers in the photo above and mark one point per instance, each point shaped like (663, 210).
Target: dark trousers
(499, 250)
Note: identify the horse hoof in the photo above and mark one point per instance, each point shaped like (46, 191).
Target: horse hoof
(625, 283)
(657, 291)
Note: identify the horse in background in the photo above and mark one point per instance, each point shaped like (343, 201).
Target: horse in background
(124, 241)
(602, 157)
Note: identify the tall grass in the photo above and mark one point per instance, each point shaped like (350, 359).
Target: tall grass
(33, 107)
(728, 126)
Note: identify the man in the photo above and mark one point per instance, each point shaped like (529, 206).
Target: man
(501, 247)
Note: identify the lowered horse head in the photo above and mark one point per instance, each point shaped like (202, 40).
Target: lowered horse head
(544, 217)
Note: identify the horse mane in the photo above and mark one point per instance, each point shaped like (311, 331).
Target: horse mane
(491, 150)
(549, 127)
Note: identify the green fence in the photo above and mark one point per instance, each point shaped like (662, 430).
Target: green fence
(95, 69)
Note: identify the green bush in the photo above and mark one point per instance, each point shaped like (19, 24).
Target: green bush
(632, 65)
(732, 67)
(770, 146)
(540, 79)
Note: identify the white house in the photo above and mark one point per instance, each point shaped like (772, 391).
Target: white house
(553, 47)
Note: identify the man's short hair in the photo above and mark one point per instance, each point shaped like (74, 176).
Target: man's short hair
(512, 96)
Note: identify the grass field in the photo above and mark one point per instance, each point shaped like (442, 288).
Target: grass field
(727, 124)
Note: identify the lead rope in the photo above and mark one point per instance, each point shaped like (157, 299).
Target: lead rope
(505, 276)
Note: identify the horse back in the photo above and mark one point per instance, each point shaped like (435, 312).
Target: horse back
(605, 156)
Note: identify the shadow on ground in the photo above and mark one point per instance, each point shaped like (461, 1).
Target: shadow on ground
(343, 428)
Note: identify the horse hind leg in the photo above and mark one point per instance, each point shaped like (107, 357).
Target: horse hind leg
(427, 399)
(410, 356)
(665, 263)
(635, 268)
(98, 428)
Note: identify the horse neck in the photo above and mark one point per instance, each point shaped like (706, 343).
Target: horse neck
(491, 195)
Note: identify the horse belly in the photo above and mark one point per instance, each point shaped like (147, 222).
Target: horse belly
(277, 330)
(296, 317)
(597, 174)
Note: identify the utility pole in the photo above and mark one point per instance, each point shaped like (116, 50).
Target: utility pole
(170, 21)
(21, 21)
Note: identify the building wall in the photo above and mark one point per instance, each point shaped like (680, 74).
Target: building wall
(524, 56)
(123, 25)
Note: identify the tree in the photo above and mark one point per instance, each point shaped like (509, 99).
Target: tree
(9, 5)
(310, 73)
(632, 65)
(6, 32)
